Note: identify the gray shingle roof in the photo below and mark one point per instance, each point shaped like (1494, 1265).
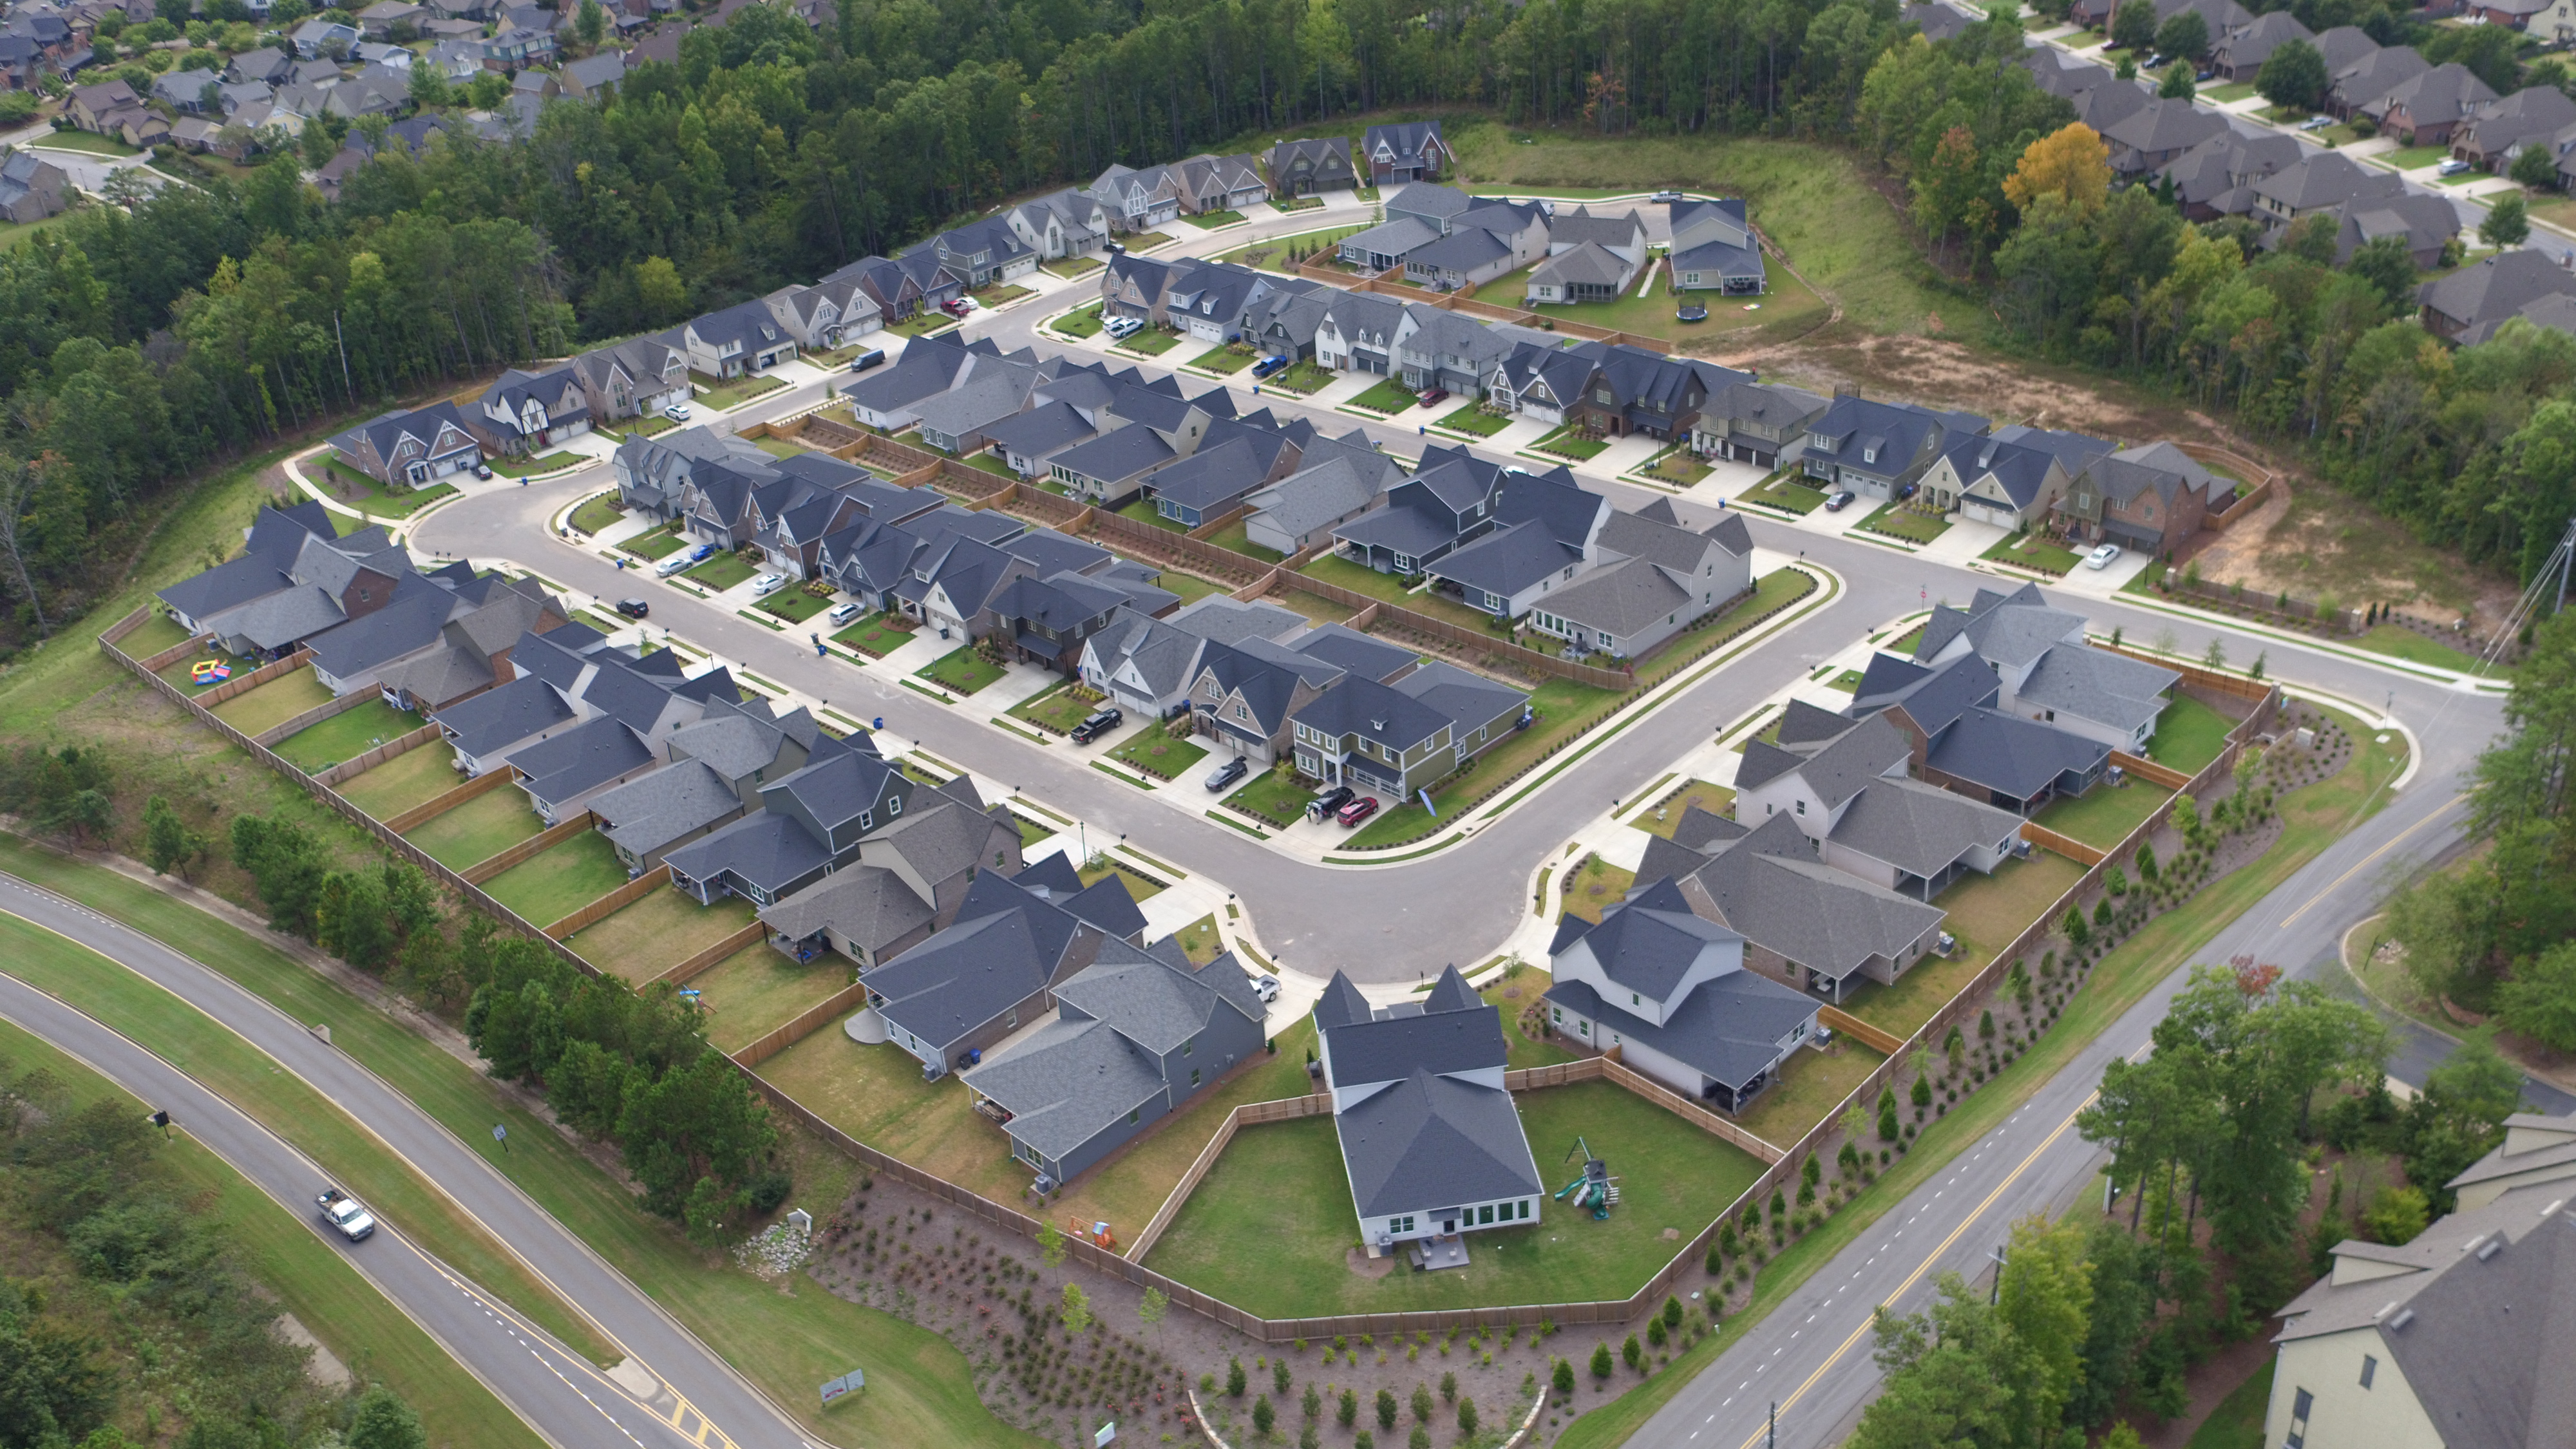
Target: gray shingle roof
(1919, 828)
(1430, 1141)
(1068, 1080)
(1391, 1048)
(1768, 885)
(649, 812)
(1649, 942)
(2096, 684)
(2014, 756)
(1621, 600)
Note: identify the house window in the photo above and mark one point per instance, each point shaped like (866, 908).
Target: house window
(1485, 1215)
(2299, 1407)
(1556, 1013)
(1132, 1116)
(1403, 1224)
(1194, 1076)
(2369, 1369)
(894, 805)
(1802, 807)
(867, 820)
(1015, 1016)
(1632, 998)
(1190, 1046)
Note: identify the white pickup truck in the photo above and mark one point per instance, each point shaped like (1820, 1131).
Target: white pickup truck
(342, 1211)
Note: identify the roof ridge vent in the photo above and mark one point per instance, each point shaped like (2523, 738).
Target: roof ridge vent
(2404, 1317)
(2494, 1246)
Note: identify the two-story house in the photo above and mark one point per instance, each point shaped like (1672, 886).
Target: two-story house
(1148, 665)
(824, 316)
(1761, 423)
(1633, 390)
(713, 773)
(632, 379)
(1302, 168)
(1876, 448)
(1357, 333)
(1963, 740)
(1668, 990)
(1589, 258)
(1436, 348)
(1545, 531)
(1015, 940)
(1714, 249)
(909, 879)
(1406, 151)
(1431, 1144)
(1061, 224)
(1138, 200)
(1541, 380)
(1849, 791)
(1403, 737)
(2152, 498)
(1449, 500)
(411, 449)
(1655, 578)
(529, 412)
(982, 252)
(742, 340)
(2047, 671)
(2013, 478)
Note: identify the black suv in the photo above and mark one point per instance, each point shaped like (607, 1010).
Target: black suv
(1099, 723)
(634, 608)
(1330, 801)
(1233, 770)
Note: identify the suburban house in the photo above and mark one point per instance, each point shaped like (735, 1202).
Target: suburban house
(740, 340)
(2152, 497)
(1386, 244)
(2047, 671)
(1302, 168)
(2151, 137)
(908, 880)
(905, 285)
(566, 682)
(1237, 457)
(1543, 535)
(632, 379)
(295, 578)
(712, 773)
(409, 449)
(1245, 694)
(1656, 578)
(1431, 1144)
(2454, 1339)
(2536, 1150)
(1876, 448)
(31, 188)
(529, 412)
(2322, 182)
(1302, 510)
(2493, 133)
(890, 397)
(2424, 109)
(1407, 736)
(2426, 224)
(1435, 206)
(1138, 200)
(1761, 423)
(1437, 348)
(2468, 306)
(1142, 428)
(2240, 53)
(1850, 793)
(1062, 224)
(1714, 249)
(2216, 177)
(1448, 501)
(1963, 741)
(1668, 989)
(1136, 1035)
(448, 626)
(2370, 77)
(1148, 665)
(1219, 183)
(1357, 333)
(1407, 151)
(1046, 617)
(981, 252)
(824, 316)
(810, 822)
(2012, 478)
(1633, 390)
(1486, 240)
(1543, 381)
(1015, 940)
(1804, 924)
(1588, 272)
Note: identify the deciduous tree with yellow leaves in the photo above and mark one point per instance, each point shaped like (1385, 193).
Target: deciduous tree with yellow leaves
(2071, 163)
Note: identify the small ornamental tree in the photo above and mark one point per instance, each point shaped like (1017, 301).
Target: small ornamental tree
(1672, 1311)
(1279, 1375)
(1347, 1412)
(1601, 1364)
(1986, 1025)
(1422, 1405)
(1922, 1093)
(1386, 1408)
(2148, 870)
(1562, 1380)
(2076, 931)
(1632, 1353)
(1467, 1418)
(1263, 1416)
(1887, 1131)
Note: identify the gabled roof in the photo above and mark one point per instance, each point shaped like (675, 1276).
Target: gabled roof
(1728, 1029)
(1391, 1045)
(1932, 696)
(2096, 684)
(2496, 287)
(1920, 829)
(1768, 885)
(1373, 711)
(2006, 629)
(1428, 1140)
(588, 755)
(1649, 942)
(649, 812)
(2014, 756)
(1398, 238)
(1835, 771)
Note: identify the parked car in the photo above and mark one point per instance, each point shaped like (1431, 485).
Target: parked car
(1356, 811)
(1691, 312)
(1837, 502)
(2316, 123)
(2452, 167)
(1226, 774)
(1435, 397)
(483, 471)
(684, 560)
(2103, 557)
(1122, 327)
(677, 412)
(844, 613)
(958, 306)
(1269, 365)
(865, 360)
(634, 608)
(767, 584)
(343, 1212)
(1266, 987)
(1905, 492)
(1328, 802)
(1665, 197)
(1098, 723)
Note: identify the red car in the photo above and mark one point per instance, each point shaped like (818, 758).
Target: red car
(1356, 811)
(1435, 397)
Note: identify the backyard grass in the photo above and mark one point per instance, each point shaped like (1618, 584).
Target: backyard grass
(657, 545)
(1520, 988)
(1282, 1185)
(311, 1280)
(274, 703)
(1189, 586)
(793, 604)
(1059, 707)
(2033, 551)
(560, 879)
(2237, 1422)
(879, 636)
(1895, 520)
(1985, 913)
(650, 936)
(1784, 491)
(1082, 321)
(1474, 419)
(1594, 886)
(989, 463)
(1569, 442)
(1142, 511)
(414, 777)
(721, 572)
(521, 465)
(778, 447)
(717, 395)
(1222, 358)
(1389, 396)
(1667, 815)
(1235, 535)
(316, 748)
(479, 829)
(1139, 888)
(153, 635)
(596, 514)
(1812, 1086)
(1773, 590)
(178, 670)
(1071, 267)
(1273, 795)
(1155, 752)
(1151, 342)
(1361, 579)
(758, 989)
(2189, 734)
(784, 1342)
(961, 669)
(1211, 220)
(2102, 817)
(2399, 642)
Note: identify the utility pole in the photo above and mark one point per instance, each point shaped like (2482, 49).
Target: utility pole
(1995, 1294)
(1773, 1440)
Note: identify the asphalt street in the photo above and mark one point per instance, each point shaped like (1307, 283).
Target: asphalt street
(671, 1391)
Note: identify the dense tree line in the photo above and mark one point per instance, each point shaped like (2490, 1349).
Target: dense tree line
(159, 1327)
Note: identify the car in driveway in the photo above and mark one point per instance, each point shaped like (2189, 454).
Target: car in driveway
(2452, 167)
(684, 560)
(2103, 557)
(1838, 500)
(873, 357)
(1275, 363)
(1226, 774)
(1690, 312)
(1122, 328)
(1099, 722)
(767, 584)
(677, 412)
(1435, 397)
(1354, 812)
(345, 1214)
(634, 608)
(1329, 801)
(1266, 987)
(845, 612)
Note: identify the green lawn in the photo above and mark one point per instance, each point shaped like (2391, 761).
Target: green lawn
(479, 829)
(274, 703)
(1897, 521)
(1388, 396)
(1199, 940)
(1788, 305)
(1811, 1086)
(1282, 1185)
(1142, 511)
(371, 497)
(2399, 642)
(1071, 267)
(1275, 796)
(1569, 442)
(758, 989)
(1059, 707)
(989, 463)
(1157, 753)
(155, 634)
(346, 735)
(1678, 466)
(1235, 536)
(2410, 157)
(1301, 378)
(1784, 492)
(1139, 888)
(1595, 885)
(1848, 681)
(1715, 799)
(521, 465)
(2102, 817)
(1905, 643)
(89, 141)
(879, 636)
(560, 879)
(414, 777)
(2034, 551)
(922, 323)
(1985, 912)
(1082, 321)
(1151, 342)
(1519, 990)
(657, 545)
(961, 669)
(596, 514)
(722, 572)
(313, 1281)
(717, 395)
(1562, 707)
(650, 936)
(1146, 241)
(1273, 255)
(1223, 357)
(778, 447)
(1211, 220)
(784, 1342)
(1474, 419)
(1190, 587)
(2237, 1422)
(2189, 734)
(1772, 590)
(793, 604)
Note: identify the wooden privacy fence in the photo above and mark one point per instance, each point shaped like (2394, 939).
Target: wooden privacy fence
(2149, 771)
(2232, 685)
(1281, 1110)
(611, 903)
(2065, 845)
(447, 800)
(245, 683)
(352, 768)
(1169, 544)
(529, 849)
(1477, 639)
(278, 734)
(177, 652)
(806, 1022)
(1885, 1043)
(705, 960)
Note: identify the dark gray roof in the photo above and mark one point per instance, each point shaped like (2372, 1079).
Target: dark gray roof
(503, 715)
(1360, 654)
(2496, 287)
(2096, 684)
(588, 755)
(1430, 1141)
(1390, 1048)
(1373, 711)
(1933, 697)
(1469, 700)
(768, 848)
(1768, 885)
(1068, 1080)
(1115, 457)
(1107, 904)
(2014, 756)
(1728, 1029)
(1920, 828)
(1835, 771)
(1340, 1004)
(1650, 942)
(649, 812)
(866, 904)
(1153, 1003)
(963, 977)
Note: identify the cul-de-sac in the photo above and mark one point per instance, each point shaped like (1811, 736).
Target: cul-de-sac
(821, 724)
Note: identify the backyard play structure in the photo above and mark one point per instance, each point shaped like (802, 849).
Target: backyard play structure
(1596, 1189)
(209, 671)
(1095, 1233)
